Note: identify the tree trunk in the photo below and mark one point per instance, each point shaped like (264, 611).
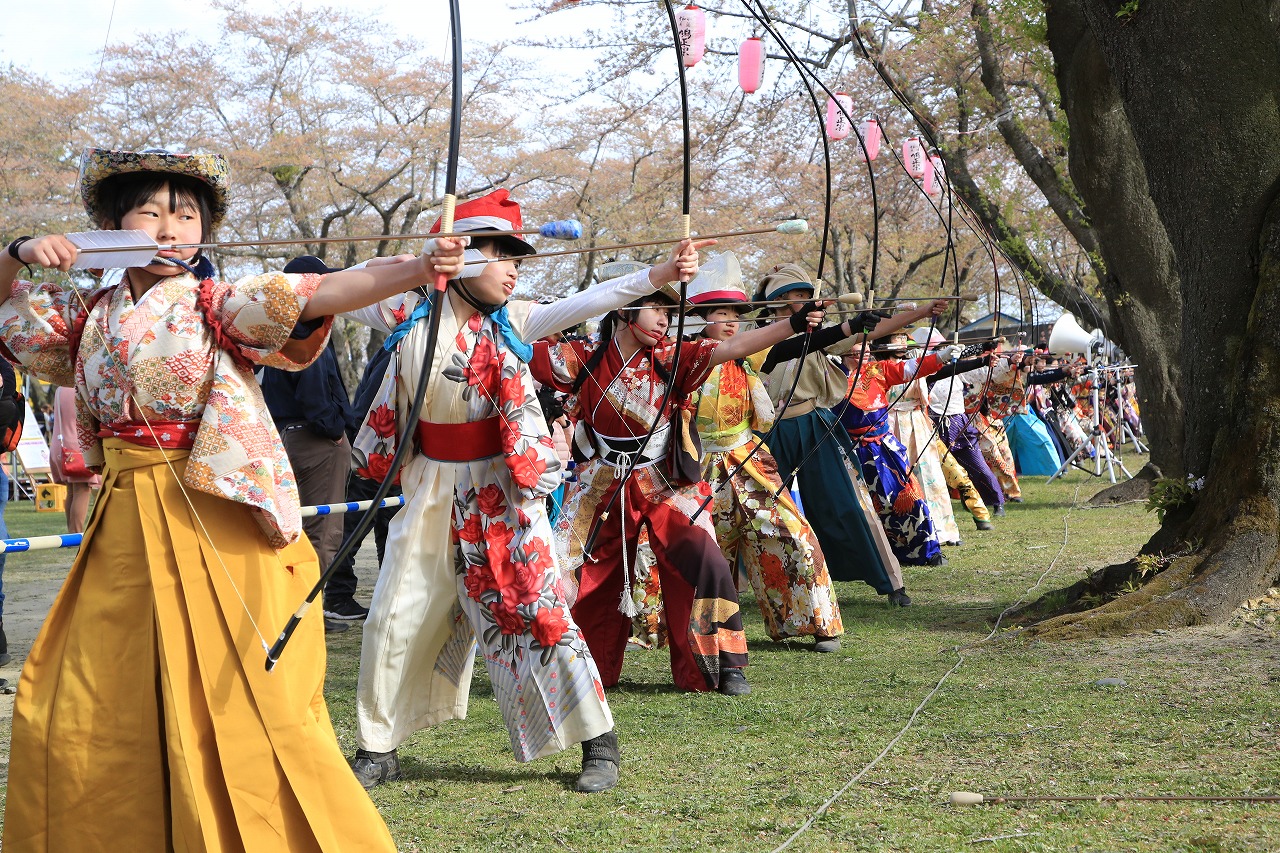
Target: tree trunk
(1138, 274)
(1198, 84)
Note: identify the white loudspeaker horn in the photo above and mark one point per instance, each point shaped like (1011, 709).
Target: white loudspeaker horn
(1067, 336)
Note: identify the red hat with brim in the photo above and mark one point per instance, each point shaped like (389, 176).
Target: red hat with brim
(493, 212)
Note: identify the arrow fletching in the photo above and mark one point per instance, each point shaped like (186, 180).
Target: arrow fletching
(561, 229)
(113, 249)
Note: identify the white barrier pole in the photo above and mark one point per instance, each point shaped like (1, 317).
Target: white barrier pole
(72, 540)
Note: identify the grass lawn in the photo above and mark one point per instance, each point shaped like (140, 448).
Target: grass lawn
(1196, 715)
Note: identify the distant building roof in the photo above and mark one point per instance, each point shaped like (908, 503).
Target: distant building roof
(985, 325)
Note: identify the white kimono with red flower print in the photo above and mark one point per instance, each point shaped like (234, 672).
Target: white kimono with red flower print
(474, 541)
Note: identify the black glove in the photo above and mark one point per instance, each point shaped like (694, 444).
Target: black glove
(865, 321)
(800, 320)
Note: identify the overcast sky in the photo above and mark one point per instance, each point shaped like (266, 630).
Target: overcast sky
(62, 39)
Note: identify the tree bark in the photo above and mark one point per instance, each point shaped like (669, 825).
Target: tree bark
(1137, 273)
(1199, 85)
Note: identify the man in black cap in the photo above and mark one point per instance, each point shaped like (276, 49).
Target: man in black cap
(310, 408)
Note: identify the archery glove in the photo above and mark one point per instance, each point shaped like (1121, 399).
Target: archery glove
(800, 320)
(949, 353)
(865, 321)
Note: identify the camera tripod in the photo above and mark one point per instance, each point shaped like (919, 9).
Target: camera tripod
(1096, 439)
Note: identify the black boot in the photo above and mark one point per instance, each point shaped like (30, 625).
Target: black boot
(5, 657)
(825, 644)
(733, 682)
(600, 760)
(374, 768)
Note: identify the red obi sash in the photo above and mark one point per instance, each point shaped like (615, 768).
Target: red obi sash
(172, 435)
(460, 442)
(874, 432)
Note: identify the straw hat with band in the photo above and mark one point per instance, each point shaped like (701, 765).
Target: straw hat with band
(98, 165)
(783, 279)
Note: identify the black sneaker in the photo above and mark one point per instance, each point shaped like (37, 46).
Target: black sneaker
(998, 512)
(983, 525)
(733, 683)
(374, 768)
(939, 560)
(334, 626)
(5, 657)
(899, 597)
(347, 609)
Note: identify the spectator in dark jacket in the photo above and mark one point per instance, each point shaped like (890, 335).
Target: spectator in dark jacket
(310, 408)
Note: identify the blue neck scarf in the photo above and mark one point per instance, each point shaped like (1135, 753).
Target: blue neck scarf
(522, 350)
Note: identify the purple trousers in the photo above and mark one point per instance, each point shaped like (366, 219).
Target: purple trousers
(961, 438)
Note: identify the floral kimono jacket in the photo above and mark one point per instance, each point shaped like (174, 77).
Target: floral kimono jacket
(778, 548)
(162, 376)
(470, 556)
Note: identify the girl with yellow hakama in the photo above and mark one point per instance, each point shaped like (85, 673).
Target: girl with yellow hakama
(756, 520)
(145, 718)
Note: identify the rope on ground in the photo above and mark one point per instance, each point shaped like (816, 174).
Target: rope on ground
(960, 659)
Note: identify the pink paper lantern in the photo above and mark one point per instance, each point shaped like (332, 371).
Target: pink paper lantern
(838, 109)
(751, 64)
(913, 157)
(933, 175)
(691, 22)
(871, 137)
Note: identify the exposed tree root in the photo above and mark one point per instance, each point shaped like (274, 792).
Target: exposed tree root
(1136, 489)
(1200, 588)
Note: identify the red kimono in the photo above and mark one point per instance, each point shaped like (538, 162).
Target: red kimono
(614, 409)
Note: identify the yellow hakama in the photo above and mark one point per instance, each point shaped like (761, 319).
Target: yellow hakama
(145, 719)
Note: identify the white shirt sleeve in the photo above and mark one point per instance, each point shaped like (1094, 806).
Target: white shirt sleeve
(380, 315)
(579, 307)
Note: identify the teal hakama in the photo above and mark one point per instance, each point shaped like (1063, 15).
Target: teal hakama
(830, 501)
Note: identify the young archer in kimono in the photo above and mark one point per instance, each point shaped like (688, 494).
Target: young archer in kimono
(778, 548)
(835, 500)
(886, 468)
(620, 384)
(909, 421)
(145, 712)
(469, 558)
